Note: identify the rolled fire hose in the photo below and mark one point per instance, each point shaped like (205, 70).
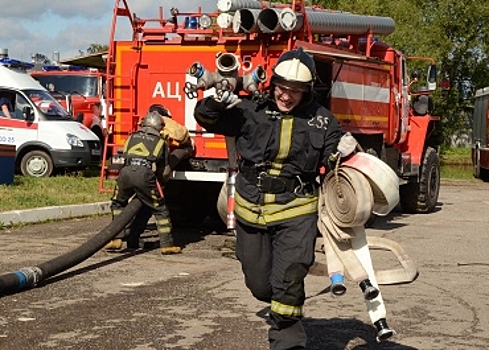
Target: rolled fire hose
(383, 181)
(384, 185)
(345, 240)
(31, 276)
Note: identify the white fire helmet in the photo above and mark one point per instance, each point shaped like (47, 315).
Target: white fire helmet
(295, 66)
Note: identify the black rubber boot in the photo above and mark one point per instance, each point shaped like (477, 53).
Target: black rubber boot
(369, 291)
(384, 332)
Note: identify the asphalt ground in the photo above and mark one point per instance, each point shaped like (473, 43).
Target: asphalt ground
(197, 300)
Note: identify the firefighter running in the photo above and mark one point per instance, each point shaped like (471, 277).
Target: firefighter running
(146, 165)
(282, 141)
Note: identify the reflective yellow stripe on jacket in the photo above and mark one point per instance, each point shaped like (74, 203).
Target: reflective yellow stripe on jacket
(140, 149)
(286, 128)
(272, 212)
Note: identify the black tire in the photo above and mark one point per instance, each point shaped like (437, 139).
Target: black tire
(36, 164)
(422, 197)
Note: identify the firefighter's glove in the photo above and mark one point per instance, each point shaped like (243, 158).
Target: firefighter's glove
(226, 97)
(347, 145)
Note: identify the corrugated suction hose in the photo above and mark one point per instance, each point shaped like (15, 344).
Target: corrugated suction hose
(30, 276)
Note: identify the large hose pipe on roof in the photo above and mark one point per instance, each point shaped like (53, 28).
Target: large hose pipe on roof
(28, 277)
(233, 5)
(246, 21)
(276, 20)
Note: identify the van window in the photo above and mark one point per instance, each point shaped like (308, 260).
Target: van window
(47, 104)
(20, 103)
(74, 84)
(6, 99)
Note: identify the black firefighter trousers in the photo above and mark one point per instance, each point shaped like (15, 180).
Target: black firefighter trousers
(275, 261)
(141, 181)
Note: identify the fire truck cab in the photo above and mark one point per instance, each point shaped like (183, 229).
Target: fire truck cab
(79, 89)
(177, 59)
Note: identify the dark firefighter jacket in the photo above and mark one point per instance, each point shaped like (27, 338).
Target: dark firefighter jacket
(147, 148)
(279, 149)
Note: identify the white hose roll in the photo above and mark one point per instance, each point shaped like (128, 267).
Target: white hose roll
(383, 180)
(347, 198)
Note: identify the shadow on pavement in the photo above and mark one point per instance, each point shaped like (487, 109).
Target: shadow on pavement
(117, 257)
(345, 333)
(341, 334)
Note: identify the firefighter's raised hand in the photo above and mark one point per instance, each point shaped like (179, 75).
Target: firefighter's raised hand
(227, 98)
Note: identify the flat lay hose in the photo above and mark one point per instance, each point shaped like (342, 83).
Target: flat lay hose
(31, 276)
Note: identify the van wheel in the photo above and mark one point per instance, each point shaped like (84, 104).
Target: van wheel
(36, 164)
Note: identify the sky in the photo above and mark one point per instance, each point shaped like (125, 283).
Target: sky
(67, 26)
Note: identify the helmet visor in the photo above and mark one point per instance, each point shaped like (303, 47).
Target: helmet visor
(290, 85)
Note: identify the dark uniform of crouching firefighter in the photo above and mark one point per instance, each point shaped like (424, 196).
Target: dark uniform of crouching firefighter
(146, 162)
(181, 147)
(282, 142)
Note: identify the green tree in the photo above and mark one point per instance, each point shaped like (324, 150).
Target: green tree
(462, 28)
(452, 32)
(94, 48)
(40, 58)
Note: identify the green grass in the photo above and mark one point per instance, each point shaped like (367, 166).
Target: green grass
(456, 163)
(456, 156)
(73, 188)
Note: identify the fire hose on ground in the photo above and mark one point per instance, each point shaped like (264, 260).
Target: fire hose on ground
(29, 277)
(360, 186)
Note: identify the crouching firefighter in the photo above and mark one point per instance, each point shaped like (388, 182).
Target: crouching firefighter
(282, 141)
(145, 167)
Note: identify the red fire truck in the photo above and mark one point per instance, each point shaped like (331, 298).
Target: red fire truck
(361, 79)
(78, 89)
(480, 132)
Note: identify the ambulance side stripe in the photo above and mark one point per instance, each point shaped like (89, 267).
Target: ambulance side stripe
(7, 123)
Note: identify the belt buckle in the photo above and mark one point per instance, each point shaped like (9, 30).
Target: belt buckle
(298, 190)
(260, 178)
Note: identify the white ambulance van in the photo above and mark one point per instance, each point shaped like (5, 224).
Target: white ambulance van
(45, 135)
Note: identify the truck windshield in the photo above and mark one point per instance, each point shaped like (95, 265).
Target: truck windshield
(47, 104)
(74, 84)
